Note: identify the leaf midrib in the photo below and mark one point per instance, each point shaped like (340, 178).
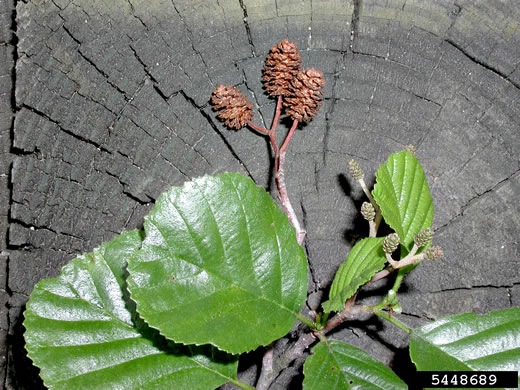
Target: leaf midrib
(365, 362)
(254, 293)
(159, 352)
(331, 351)
(138, 336)
(468, 337)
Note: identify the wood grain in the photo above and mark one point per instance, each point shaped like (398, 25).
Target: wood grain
(110, 108)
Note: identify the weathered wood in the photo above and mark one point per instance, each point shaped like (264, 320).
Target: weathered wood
(7, 59)
(112, 109)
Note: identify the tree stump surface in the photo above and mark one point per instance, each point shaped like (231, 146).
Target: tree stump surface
(104, 105)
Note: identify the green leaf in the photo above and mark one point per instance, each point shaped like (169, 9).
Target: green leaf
(220, 264)
(469, 342)
(402, 193)
(81, 333)
(364, 260)
(335, 365)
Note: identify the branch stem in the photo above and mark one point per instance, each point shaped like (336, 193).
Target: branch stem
(281, 186)
(381, 274)
(348, 311)
(321, 336)
(289, 136)
(408, 260)
(282, 362)
(393, 320)
(277, 114)
(267, 369)
(373, 229)
(284, 199)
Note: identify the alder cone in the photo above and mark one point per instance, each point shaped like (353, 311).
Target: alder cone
(281, 66)
(235, 110)
(306, 95)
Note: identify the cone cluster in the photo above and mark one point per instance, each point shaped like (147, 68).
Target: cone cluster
(283, 76)
(234, 108)
(301, 89)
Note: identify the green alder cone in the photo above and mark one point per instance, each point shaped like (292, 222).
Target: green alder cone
(220, 264)
(82, 334)
(364, 260)
(335, 365)
(402, 193)
(469, 342)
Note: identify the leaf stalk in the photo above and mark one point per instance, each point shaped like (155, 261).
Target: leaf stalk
(393, 320)
(241, 384)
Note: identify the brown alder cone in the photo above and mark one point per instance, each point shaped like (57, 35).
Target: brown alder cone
(281, 65)
(306, 96)
(234, 108)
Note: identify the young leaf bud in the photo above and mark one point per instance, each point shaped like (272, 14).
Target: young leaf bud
(367, 211)
(355, 170)
(424, 237)
(391, 242)
(411, 148)
(433, 253)
(397, 309)
(391, 298)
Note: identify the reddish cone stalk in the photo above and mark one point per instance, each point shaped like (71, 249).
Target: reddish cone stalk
(299, 92)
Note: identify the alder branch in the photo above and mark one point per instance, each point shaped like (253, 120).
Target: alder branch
(284, 199)
(279, 168)
(267, 369)
(350, 312)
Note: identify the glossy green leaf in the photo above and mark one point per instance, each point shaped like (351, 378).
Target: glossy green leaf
(81, 333)
(364, 260)
(220, 264)
(335, 365)
(469, 342)
(402, 193)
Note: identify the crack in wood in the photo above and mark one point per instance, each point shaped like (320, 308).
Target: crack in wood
(246, 25)
(219, 133)
(190, 36)
(93, 64)
(69, 132)
(475, 287)
(46, 228)
(354, 23)
(127, 102)
(252, 92)
(338, 67)
(13, 151)
(482, 63)
(132, 11)
(475, 199)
